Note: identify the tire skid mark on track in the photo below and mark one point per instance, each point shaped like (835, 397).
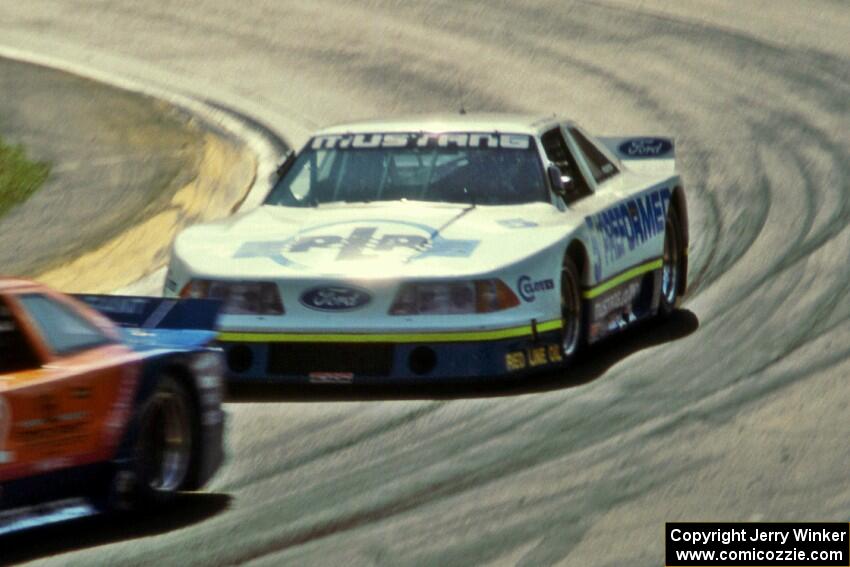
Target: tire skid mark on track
(347, 441)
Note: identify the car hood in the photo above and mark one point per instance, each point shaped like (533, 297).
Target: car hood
(371, 240)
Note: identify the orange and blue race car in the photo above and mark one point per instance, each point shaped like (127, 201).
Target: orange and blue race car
(103, 413)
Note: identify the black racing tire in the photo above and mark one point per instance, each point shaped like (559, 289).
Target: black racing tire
(572, 312)
(671, 268)
(166, 445)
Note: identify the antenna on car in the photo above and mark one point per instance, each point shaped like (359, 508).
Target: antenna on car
(462, 93)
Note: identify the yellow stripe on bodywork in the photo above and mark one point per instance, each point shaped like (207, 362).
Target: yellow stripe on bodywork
(624, 277)
(461, 336)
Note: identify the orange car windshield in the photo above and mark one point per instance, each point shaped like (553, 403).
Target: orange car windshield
(62, 329)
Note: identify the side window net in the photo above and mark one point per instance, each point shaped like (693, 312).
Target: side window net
(600, 166)
(559, 154)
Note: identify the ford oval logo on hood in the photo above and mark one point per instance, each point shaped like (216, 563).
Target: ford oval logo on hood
(335, 298)
(645, 147)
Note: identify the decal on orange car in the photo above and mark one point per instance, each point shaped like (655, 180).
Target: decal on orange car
(69, 416)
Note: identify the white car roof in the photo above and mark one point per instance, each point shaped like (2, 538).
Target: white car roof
(477, 122)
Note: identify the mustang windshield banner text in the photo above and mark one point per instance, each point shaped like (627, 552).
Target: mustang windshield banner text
(422, 140)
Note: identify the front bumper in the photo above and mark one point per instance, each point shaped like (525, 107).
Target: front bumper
(376, 361)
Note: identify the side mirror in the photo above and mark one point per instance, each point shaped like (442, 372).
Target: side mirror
(561, 184)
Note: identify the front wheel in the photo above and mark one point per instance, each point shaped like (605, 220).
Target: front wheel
(572, 331)
(671, 268)
(166, 442)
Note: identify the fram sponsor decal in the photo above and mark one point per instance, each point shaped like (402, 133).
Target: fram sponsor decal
(421, 140)
(335, 298)
(628, 224)
(528, 288)
(358, 241)
(645, 147)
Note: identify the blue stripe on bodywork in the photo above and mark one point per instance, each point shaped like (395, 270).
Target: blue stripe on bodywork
(143, 340)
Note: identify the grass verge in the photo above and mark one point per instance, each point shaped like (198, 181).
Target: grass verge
(20, 177)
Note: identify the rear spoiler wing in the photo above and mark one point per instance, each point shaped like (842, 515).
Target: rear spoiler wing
(649, 154)
(156, 312)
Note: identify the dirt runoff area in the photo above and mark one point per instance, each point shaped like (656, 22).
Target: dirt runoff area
(127, 173)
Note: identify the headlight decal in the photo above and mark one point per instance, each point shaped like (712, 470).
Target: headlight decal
(239, 297)
(453, 298)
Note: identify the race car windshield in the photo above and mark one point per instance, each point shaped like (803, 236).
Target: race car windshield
(487, 169)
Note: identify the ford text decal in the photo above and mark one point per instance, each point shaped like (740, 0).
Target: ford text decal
(362, 241)
(335, 298)
(645, 147)
(422, 140)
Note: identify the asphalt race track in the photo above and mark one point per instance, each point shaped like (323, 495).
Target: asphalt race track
(737, 409)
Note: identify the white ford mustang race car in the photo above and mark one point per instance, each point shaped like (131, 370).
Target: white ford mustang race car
(441, 247)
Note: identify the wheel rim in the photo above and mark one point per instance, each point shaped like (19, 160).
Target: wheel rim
(570, 313)
(166, 442)
(670, 270)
